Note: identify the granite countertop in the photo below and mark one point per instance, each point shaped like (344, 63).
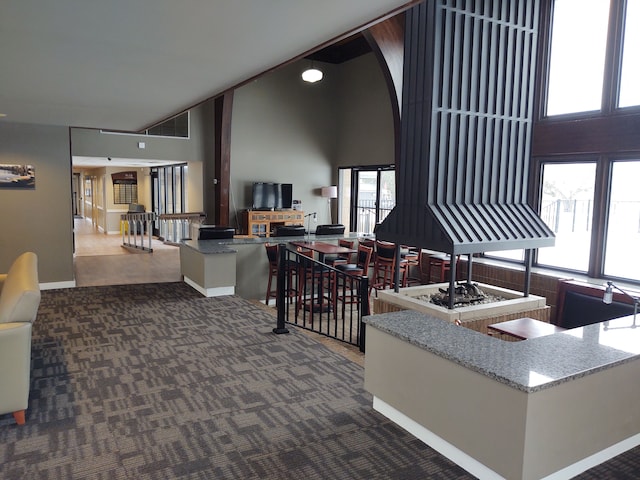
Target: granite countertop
(530, 365)
(226, 245)
(207, 246)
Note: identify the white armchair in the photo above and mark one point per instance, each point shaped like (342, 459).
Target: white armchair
(19, 302)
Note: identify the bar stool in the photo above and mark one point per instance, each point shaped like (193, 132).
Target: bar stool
(321, 278)
(333, 260)
(291, 271)
(367, 242)
(442, 262)
(413, 257)
(384, 266)
(344, 292)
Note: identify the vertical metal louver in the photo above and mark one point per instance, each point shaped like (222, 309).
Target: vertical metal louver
(466, 128)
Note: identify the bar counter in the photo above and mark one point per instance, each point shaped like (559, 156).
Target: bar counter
(548, 407)
(235, 266)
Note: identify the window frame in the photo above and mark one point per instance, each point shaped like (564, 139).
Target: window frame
(353, 188)
(612, 66)
(592, 263)
(607, 135)
(606, 206)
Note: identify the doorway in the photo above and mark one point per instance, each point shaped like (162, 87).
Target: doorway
(367, 194)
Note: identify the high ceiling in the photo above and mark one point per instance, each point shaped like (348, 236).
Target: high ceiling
(127, 64)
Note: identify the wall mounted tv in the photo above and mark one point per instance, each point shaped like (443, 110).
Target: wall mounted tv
(272, 196)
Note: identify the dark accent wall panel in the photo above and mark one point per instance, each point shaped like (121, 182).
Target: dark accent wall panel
(481, 94)
(467, 117)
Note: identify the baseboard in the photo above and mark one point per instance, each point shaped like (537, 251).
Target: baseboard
(212, 291)
(57, 285)
(436, 442)
(479, 470)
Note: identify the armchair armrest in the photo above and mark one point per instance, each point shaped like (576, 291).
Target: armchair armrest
(15, 366)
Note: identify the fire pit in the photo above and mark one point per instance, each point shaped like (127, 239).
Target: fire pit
(465, 293)
(502, 304)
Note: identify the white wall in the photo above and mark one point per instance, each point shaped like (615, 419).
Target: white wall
(288, 131)
(365, 119)
(284, 130)
(38, 220)
(94, 143)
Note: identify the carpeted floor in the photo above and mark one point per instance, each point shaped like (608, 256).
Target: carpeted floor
(157, 382)
(153, 381)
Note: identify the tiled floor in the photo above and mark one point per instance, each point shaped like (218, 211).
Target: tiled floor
(100, 259)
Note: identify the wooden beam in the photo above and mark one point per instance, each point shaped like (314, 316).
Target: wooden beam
(613, 134)
(222, 112)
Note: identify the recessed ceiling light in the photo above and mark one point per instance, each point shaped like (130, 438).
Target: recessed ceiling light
(2, 115)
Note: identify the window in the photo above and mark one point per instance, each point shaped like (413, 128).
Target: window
(630, 77)
(177, 126)
(168, 193)
(597, 223)
(623, 226)
(578, 47)
(517, 255)
(567, 208)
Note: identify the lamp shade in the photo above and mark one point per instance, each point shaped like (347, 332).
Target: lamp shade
(312, 75)
(330, 192)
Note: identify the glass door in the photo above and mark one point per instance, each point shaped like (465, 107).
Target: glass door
(372, 196)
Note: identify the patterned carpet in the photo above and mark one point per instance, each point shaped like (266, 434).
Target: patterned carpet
(157, 382)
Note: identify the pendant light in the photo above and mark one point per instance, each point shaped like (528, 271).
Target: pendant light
(312, 74)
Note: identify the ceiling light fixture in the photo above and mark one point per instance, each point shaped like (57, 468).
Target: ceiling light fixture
(312, 74)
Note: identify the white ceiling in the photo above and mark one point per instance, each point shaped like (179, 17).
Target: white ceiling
(127, 64)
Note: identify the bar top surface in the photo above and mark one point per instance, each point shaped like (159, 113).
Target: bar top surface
(529, 365)
(226, 245)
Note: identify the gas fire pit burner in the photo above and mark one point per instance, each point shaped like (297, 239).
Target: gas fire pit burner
(465, 293)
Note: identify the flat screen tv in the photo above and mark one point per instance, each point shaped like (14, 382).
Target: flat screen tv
(272, 196)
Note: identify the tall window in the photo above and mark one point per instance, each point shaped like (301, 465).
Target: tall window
(567, 208)
(578, 47)
(630, 77)
(168, 190)
(623, 226)
(596, 213)
(584, 70)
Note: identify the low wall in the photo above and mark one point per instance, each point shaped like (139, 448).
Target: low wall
(480, 324)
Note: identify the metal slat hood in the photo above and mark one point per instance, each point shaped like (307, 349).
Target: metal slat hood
(467, 115)
(464, 229)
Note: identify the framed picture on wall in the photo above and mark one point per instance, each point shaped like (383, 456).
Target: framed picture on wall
(17, 176)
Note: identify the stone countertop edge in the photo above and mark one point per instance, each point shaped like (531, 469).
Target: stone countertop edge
(530, 365)
(207, 246)
(226, 245)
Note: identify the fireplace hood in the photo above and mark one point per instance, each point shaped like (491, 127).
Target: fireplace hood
(466, 228)
(466, 128)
